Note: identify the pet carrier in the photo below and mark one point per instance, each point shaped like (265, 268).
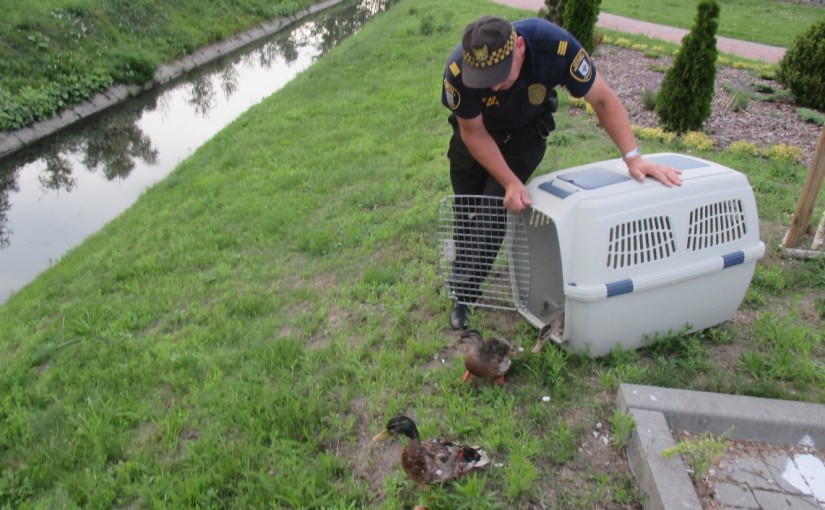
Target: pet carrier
(617, 262)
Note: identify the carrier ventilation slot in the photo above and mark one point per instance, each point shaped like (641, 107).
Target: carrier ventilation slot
(640, 241)
(715, 224)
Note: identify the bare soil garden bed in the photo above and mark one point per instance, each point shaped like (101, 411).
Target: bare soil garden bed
(764, 123)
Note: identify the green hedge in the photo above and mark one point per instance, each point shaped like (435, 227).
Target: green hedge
(802, 69)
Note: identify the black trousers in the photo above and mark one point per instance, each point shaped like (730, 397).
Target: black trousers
(480, 218)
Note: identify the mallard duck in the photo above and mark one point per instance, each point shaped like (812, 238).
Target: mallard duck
(434, 461)
(487, 359)
(553, 331)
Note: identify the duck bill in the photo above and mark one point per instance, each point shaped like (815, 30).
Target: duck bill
(381, 437)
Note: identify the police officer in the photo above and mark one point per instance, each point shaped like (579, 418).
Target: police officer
(499, 84)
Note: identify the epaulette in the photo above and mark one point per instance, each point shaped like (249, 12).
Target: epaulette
(455, 69)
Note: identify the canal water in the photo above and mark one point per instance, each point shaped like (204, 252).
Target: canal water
(59, 191)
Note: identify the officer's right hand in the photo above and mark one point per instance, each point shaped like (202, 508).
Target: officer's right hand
(516, 198)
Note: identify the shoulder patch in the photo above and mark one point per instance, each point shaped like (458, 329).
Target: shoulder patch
(581, 69)
(455, 69)
(452, 95)
(562, 49)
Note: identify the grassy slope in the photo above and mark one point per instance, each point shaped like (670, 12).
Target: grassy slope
(772, 22)
(236, 337)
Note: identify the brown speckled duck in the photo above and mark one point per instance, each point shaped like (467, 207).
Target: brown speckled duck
(434, 461)
(488, 359)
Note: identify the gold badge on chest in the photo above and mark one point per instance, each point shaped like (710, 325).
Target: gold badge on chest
(536, 93)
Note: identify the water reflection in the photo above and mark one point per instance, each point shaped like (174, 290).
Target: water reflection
(57, 192)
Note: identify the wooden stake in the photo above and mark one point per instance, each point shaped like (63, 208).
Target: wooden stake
(807, 199)
(819, 238)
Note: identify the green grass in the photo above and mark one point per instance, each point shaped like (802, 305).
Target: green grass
(236, 337)
(771, 22)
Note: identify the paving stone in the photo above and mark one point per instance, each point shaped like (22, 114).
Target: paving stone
(803, 503)
(752, 472)
(787, 475)
(735, 495)
(769, 500)
(813, 472)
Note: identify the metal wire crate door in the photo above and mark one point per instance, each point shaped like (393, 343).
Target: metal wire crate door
(472, 230)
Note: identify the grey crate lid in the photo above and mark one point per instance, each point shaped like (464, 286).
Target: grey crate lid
(594, 178)
(678, 162)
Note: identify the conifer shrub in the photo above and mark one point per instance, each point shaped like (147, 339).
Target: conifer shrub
(553, 10)
(685, 97)
(802, 69)
(580, 18)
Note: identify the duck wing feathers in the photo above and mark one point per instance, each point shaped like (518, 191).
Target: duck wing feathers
(437, 461)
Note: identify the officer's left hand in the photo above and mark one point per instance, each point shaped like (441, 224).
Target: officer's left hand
(639, 168)
(516, 197)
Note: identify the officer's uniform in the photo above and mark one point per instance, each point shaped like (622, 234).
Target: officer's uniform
(519, 120)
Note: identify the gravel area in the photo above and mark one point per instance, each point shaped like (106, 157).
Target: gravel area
(630, 73)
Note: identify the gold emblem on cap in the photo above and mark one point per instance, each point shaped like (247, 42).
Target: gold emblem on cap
(481, 54)
(536, 93)
(481, 57)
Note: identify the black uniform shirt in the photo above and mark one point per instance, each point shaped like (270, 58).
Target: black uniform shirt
(552, 57)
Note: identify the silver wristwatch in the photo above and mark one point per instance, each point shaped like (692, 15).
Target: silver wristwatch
(635, 153)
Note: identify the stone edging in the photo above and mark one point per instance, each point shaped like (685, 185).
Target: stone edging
(664, 482)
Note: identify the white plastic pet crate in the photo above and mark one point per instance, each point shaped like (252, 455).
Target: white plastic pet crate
(624, 261)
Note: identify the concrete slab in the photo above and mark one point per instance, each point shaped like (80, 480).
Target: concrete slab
(752, 472)
(736, 496)
(753, 483)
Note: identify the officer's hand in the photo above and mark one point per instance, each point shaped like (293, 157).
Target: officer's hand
(640, 167)
(516, 198)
